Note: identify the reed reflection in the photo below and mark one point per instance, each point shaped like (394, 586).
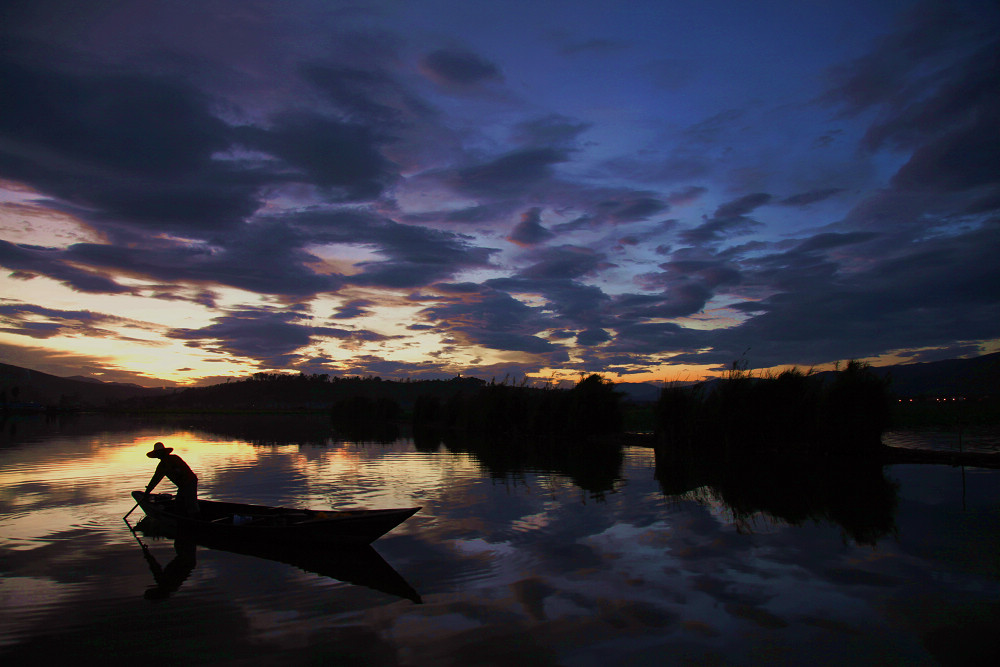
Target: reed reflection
(594, 466)
(850, 492)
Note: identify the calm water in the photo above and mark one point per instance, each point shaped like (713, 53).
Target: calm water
(515, 559)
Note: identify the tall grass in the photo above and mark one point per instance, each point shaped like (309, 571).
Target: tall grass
(791, 410)
(506, 410)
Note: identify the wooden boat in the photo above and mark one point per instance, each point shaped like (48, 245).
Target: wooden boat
(260, 523)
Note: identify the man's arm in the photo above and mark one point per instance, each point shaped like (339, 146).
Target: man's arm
(155, 479)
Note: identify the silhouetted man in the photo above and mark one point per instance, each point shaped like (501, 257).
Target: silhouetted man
(177, 471)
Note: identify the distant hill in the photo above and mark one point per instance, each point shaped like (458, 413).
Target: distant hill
(975, 377)
(979, 376)
(24, 388)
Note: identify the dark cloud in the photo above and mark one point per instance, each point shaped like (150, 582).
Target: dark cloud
(353, 309)
(631, 210)
(418, 257)
(574, 304)
(592, 337)
(966, 158)
(729, 219)
(366, 364)
(267, 258)
(271, 338)
(562, 262)
(364, 96)
(551, 130)
(686, 195)
(621, 207)
(811, 197)
(530, 231)
(31, 261)
(741, 206)
(342, 158)
(489, 212)
(885, 75)
(508, 175)
(828, 240)
(455, 67)
(122, 148)
(907, 296)
(493, 319)
(677, 298)
(934, 85)
(414, 256)
(40, 322)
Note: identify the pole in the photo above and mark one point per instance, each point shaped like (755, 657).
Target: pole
(130, 511)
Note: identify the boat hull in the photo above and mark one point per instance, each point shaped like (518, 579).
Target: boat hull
(263, 524)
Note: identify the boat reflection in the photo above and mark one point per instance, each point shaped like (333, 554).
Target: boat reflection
(357, 565)
(851, 492)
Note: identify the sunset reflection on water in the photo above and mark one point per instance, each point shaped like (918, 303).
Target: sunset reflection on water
(525, 561)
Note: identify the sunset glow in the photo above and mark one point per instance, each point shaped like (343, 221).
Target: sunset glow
(647, 190)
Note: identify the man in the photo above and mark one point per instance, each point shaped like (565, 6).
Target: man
(177, 471)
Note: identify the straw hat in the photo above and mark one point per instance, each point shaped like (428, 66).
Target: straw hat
(159, 450)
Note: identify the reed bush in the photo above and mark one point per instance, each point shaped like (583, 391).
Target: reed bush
(789, 410)
(505, 410)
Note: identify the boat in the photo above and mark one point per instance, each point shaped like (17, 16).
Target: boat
(260, 523)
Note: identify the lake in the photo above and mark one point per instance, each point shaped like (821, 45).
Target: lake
(598, 559)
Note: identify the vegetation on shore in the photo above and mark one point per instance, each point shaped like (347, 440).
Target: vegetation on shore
(507, 411)
(791, 410)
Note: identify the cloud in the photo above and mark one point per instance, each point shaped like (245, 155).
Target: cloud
(40, 322)
(493, 319)
(267, 258)
(592, 337)
(342, 158)
(827, 240)
(884, 75)
(550, 130)
(122, 148)
(563, 262)
(353, 309)
(811, 197)
(966, 158)
(28, 262)
(530, 231)
(270, 338)
(365, 96)
(574, 305)
(730, 218)
(904, 296)
(686, 195)
(515, 173)
(631, 210)
(933, 82)
(458, 68)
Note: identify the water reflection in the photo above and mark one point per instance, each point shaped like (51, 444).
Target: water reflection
(595, 467)
(739, 564)
(850, 492)
(361, 565)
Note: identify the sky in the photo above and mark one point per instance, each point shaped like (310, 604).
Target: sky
(650, 190)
